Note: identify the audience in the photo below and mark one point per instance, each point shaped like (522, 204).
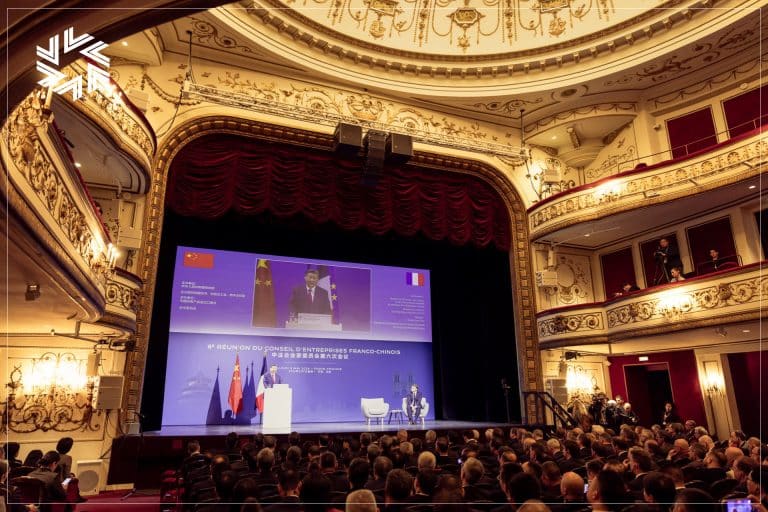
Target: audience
(675, 468)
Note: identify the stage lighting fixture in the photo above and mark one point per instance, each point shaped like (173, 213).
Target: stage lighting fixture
(569, 355)
(33, 292)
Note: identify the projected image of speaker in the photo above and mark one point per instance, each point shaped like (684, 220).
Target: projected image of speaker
(399, 148)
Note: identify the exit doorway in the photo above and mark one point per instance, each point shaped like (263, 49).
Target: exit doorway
(648, 387)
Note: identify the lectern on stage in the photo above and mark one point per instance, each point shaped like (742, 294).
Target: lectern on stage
(277, 409)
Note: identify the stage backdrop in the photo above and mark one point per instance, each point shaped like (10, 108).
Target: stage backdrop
(367, 333)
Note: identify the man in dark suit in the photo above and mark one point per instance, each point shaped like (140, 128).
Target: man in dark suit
(272, 377)
(309, 298)
(413, 402)
(667, 257)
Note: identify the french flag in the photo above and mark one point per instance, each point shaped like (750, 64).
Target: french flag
(414, 278)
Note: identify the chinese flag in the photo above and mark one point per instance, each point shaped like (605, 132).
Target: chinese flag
(198, 259)
(264, 314)
(236, 389)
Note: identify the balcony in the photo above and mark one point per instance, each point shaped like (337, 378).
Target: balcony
(715, 299)
(727, 164)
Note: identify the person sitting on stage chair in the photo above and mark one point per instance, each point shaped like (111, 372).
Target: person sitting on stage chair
(413, 402)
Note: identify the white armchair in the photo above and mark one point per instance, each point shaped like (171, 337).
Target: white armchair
(375, 408)
(424, 408)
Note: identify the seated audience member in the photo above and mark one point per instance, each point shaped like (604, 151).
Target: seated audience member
(742, 467)
(714, 467)
(757, 486)
(521, 488)
(550, 482)
(33, 458)
(12, 453)
(676, 275)
(572, 491)
(640, 464)
(315, 493)
(357, 473)
(424, 486)
(381, 467)
(607, 492)
(626, 288)
(659, 490)
(329, 468)
(713, 263)
(53, 490)
(361, 500)
(471, 473)
(397, 489)
(676, 474)
(695, 500)
(426, 460)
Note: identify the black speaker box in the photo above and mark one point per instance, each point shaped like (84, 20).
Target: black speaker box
(348, 138)
(399, 148)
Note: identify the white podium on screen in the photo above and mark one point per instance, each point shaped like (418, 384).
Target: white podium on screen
(313, 321)
(277, 409)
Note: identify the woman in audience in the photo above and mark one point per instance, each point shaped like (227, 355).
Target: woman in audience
(33, 457)
(694, 500)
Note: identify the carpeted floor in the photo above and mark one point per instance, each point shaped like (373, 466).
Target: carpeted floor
(112, 501)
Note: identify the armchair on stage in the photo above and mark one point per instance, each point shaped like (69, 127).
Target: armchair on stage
(374, 408)
(424, 408)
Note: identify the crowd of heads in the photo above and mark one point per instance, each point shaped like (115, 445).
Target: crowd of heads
(678, 467)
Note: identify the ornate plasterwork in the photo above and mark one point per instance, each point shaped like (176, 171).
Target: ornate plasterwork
(527, 344)
(32, 163)
(725, 165)
(465, 27)
(620, 155)
(722, 299)
(114, 117)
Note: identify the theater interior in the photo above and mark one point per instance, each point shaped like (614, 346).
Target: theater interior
(530, 155)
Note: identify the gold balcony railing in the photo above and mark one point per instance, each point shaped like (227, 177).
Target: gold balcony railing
(726, 163)
(716, 299)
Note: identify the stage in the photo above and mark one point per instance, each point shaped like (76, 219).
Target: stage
(143, 457)
(351, 427)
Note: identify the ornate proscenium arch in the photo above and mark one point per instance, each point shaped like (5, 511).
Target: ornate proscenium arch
(485, 179)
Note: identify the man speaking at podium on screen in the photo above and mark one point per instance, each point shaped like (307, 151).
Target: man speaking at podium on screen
(310, 298)
(271, 378)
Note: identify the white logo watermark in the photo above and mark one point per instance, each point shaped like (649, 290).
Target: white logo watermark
(98, 78)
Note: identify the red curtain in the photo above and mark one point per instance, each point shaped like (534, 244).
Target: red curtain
(218, 173)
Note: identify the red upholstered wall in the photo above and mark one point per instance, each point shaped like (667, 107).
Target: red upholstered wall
(746, 111)
(691, 132)
(683, 374)
(617, 269)
(745, 374)
(711, 235)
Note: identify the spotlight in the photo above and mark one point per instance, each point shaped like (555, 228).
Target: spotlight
(33, 292)
(570, 355)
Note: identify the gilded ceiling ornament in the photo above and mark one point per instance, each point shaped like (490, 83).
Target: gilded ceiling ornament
(207, 34)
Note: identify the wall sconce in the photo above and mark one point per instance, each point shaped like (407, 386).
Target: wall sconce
(103, 258)
(672, 306)
(714, 383)
(56, 396)
(32, 292)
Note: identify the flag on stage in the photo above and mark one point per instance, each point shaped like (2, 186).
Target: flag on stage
(196, 259)
(236, 389)
(264, 312)
(327, 281)
(214, 406)
(414, 278)
(249, 394)
(260, 388)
